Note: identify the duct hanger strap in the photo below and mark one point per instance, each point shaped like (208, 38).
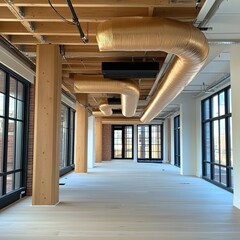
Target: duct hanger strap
(157, 34)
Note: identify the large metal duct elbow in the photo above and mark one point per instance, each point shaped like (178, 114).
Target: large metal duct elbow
(156, 34)
(129, 91)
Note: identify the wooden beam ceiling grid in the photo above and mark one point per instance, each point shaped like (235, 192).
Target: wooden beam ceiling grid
(26, 23)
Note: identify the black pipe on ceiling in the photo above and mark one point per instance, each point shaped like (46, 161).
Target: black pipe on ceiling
(76, 21)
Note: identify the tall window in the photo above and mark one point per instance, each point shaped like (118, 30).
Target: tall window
(216, 135)
(67, 139)
(13, 135)
(122, 142)
(177, 155)
(150, 143)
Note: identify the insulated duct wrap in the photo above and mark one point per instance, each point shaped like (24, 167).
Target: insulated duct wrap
(105, 109)
(129, 91)
(156, 34)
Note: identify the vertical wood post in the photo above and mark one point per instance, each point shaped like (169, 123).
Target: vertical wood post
(81, 134)
(98, 140)
(47, 126)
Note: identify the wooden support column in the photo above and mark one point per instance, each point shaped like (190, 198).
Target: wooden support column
(98, 140)
(81, 134)
(47, 126)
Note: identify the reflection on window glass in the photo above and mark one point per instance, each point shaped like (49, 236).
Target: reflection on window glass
(230, 140)
(67, 137)
(2, 104)
(10, 183)
(13, 87)
(118, 145)
(207, 142)
(150, 142)
(215, 106)
(223, 142)
(20, 91)
(128, 142)
(1, 185)
(143, 141)
(122, 142)
(217, 139)
(12, 135)
(2, 81)
(17, 180)
(216, 173)
(208, 170)
(19, 142)
(1, 144)
(223, 175)
(12, 107)
(64, 136)
(156, 141)
(222, 103)
(206, 110)
(230, 100)
(19, 110)
(11, 145)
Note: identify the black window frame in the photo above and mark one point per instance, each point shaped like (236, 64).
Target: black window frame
(122, 128)
(8, 198)
(70, 141)
(150, 159)
(177, 141)
(210, 120)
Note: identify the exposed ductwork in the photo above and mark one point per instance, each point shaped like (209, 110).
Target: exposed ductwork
(156, 34)
(120, 120)
(105, 109)
(129, 91)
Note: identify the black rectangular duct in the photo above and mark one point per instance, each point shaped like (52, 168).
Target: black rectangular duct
(117, 111)
(114, 101)
(127, 70)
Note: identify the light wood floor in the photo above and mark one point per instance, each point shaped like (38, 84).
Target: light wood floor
(122, 200)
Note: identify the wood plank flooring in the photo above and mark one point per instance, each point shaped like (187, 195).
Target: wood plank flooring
(123, 200)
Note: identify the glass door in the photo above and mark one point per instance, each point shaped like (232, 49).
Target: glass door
(122, 142)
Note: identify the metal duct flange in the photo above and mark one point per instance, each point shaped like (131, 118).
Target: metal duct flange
(157, 34)
(129, 91)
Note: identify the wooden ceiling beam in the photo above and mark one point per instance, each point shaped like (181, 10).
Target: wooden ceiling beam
(70, 40)
(79, 61)
(103, 3)
(19, 14)
(47, 29)
(84, 14)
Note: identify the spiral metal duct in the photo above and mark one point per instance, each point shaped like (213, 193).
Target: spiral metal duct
(157, 34)
(129, 91)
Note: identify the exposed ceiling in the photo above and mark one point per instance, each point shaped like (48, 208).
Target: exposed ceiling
(26, 23)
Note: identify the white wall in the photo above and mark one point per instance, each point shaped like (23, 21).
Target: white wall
(235, 73)
(187, 134)
(15, 65)
(91, 141)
